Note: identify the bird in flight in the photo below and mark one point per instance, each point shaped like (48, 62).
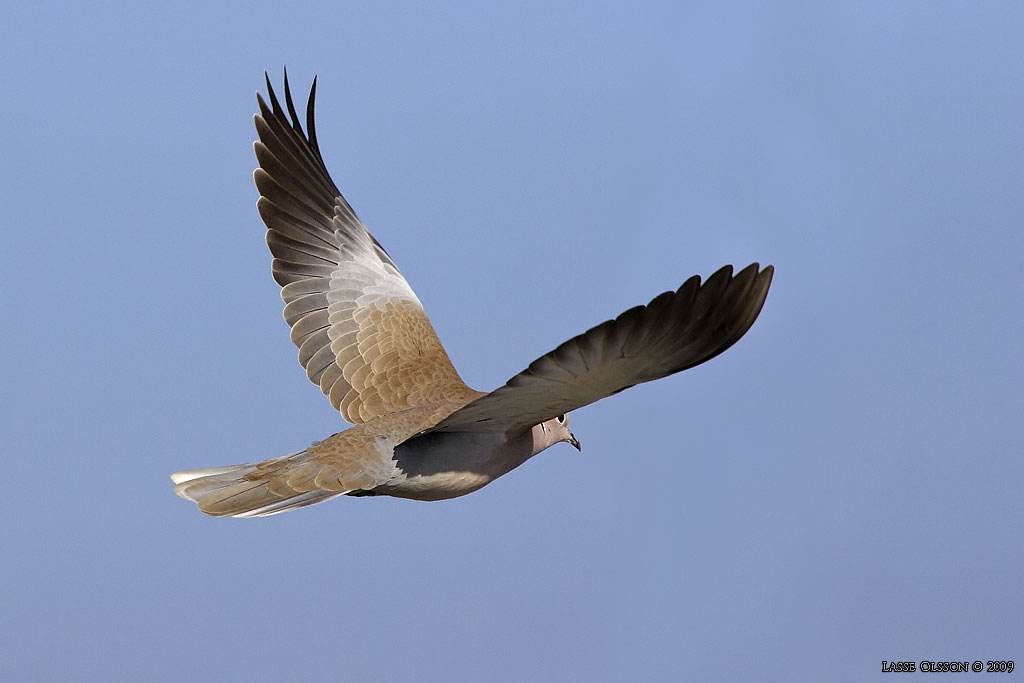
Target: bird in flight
(418, 431)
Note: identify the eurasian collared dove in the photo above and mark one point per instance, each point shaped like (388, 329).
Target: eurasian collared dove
(419, 432)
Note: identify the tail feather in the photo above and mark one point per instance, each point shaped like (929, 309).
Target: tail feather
(293, 503)
(239, 491)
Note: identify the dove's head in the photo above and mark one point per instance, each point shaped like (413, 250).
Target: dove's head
(555, 430)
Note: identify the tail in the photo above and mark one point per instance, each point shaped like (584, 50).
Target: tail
(248, 490)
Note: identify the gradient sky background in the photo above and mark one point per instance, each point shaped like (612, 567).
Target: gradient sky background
(841, 487)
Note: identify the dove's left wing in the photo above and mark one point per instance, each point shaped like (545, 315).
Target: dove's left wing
(675, 331)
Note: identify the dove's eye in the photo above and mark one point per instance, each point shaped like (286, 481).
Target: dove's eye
(561, 419)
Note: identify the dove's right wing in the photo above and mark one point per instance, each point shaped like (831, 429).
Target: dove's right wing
(362, 334)
(675, 331)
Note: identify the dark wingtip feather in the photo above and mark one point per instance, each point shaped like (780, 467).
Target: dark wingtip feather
(275, 109)
(750, 287)
(291, 105)
(278, 111)
(310, 121)
(725, 272)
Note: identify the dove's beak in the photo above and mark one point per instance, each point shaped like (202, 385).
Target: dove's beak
(575, 442)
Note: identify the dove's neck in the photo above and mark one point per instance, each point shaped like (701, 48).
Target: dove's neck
(542, 439)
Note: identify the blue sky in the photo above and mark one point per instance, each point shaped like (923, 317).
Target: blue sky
(841, 487)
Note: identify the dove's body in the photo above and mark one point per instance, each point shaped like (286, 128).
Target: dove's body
(365, 340)
(374, 458)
